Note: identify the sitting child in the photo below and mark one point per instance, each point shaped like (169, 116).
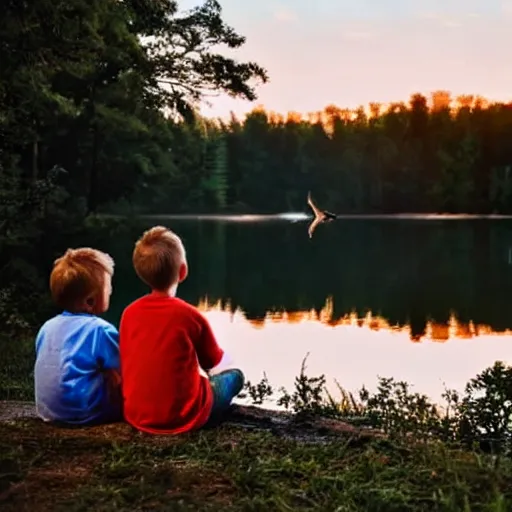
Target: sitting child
(164, 342)
(76, 371)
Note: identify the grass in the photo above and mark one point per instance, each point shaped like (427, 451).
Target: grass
(115, 468)
(16, 368)
(426, 462)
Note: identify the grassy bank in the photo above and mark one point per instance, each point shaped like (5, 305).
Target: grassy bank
(113, 468)
(451, 459)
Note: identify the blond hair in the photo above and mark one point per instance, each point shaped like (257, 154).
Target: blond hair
(158, 256)
(77, 275)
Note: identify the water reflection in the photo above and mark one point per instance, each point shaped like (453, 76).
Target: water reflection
(355, 350)
(427, 301)
(410, 272)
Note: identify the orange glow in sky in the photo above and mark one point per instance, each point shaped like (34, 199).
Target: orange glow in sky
(352, 53)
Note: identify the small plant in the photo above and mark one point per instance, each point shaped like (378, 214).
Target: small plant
(399, 412)
(259, 392)
(486, 408)
(482, 415)
(309, 397)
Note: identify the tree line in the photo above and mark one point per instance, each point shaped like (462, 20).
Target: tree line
(434, 154)
(98, 115)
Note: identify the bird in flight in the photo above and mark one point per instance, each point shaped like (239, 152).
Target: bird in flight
(320, 216)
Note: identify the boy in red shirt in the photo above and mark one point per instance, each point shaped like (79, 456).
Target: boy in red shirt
(164, 341)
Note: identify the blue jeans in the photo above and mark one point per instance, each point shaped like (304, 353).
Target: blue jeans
(225, 386)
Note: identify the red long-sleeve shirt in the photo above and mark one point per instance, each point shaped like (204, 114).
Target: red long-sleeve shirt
(163, 340)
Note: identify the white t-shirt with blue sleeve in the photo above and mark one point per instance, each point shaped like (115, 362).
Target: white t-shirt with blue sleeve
(71, 352)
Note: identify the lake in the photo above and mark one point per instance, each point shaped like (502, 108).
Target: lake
(421, 299)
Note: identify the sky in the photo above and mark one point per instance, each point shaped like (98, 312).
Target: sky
(352, 52)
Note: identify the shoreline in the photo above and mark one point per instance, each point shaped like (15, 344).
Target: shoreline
(249, 417)
(301, 216)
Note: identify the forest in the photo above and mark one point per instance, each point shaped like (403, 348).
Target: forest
(97, 98)
(99, 114)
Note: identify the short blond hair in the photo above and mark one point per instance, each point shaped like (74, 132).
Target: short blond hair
(157, 257)
(77, 275)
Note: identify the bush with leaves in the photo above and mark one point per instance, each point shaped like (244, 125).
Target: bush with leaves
(482, 415)
(485, 410)
(35, 214)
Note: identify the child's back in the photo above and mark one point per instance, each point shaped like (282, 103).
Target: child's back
(164, 343)
(163, 339)
(70, 348)
(77, 353)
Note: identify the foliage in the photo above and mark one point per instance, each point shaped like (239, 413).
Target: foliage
(486, 408)
(482, 415)
(432, 459)
(103, 76)
(27, 210)
(109, 92)
(450, 156)
(103, 91)
(310, 397)
(98, 113)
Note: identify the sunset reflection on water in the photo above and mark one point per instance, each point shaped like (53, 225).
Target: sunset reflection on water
(354, 351)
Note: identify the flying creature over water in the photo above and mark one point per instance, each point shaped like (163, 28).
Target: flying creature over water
(321, 216)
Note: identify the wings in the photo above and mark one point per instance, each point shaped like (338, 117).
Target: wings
(313, 226)
(319, 216)
(316, 211)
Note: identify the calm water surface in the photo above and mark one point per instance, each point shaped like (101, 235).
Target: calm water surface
(424, 300)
